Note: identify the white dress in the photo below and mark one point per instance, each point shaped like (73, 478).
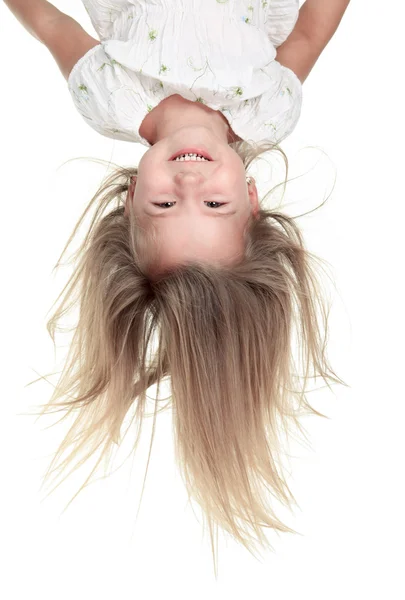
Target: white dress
(219, 52)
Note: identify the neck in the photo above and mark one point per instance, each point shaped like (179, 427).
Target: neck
(175, 112)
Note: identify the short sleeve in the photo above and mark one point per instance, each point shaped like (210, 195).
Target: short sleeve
(106, 15)
(279, 109)
(109, 99)
(281, 18)
(273, 115)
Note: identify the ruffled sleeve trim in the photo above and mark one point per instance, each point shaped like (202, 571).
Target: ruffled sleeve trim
(82, 60)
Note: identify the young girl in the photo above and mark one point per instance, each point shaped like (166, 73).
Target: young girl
(187, 254)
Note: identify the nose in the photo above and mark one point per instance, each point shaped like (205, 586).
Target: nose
(189, 178)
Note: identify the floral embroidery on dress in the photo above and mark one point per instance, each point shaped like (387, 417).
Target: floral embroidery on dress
(84, 91)
(163, 69)
(189, 64)
(79, 104)
(271, 125)
(189, 60)
(248, 19)
(110, 64)
(233, 92)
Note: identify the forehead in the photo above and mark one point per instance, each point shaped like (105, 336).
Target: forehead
(194, 239)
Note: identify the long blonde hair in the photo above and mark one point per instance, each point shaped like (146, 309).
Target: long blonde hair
(225, 338)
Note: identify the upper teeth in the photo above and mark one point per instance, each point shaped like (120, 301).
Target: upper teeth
(190, 157)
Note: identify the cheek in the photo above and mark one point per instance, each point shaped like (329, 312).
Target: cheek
(150, 174)
(237, 179)
(145, 165)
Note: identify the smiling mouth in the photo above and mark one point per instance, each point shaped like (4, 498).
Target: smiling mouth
(190, 161)
(196, 151)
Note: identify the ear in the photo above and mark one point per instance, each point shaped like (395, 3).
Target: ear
(130, 195)
(254, 198)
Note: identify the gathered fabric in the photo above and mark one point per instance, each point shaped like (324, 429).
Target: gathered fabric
(218, 52)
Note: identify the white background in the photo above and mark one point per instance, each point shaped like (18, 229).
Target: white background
(349, 486)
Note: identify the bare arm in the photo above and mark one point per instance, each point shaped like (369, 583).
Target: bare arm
(319, 19)
(33, 14)
(66, 40)
(317, 23)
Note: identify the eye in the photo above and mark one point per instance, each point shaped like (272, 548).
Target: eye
(218, 204)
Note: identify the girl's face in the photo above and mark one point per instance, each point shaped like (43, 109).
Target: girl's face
(198, 209)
